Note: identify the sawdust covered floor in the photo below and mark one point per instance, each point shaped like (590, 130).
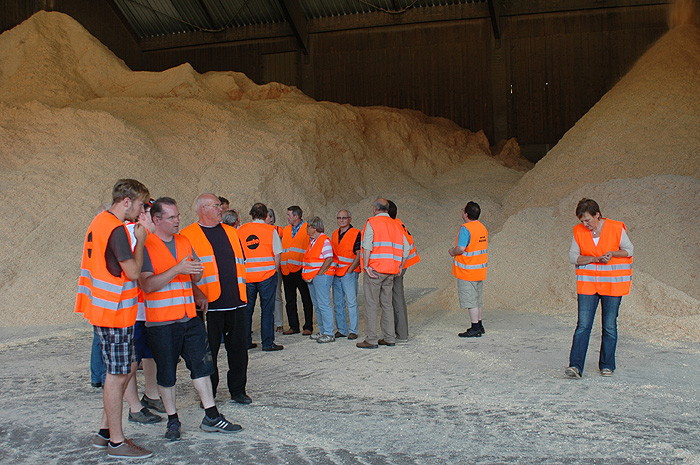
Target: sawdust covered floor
(438, 399)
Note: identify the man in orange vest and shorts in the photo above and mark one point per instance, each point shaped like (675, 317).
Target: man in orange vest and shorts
(469, 267)
(169, 268)
(108, 297)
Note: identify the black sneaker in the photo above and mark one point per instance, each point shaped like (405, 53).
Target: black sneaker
(219, 424)
(172, 433)
(471, 332)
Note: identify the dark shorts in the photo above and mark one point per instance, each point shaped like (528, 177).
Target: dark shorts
(141, 341)
(188, 340)
(118, 350)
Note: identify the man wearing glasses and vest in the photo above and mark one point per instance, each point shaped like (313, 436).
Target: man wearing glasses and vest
(469, 267)
(384, 250)
(108, 297)
(295, 241)
(263, 247)
(223, 284)
(169, 267)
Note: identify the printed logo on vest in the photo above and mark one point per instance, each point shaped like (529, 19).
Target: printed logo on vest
(252, 241)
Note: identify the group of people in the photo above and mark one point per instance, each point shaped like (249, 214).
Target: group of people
(155, 294)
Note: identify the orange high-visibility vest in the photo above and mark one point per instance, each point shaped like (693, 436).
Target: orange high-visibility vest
(413, 256)
(344, 254)
(471, 265)
(209, 284)
(174, 300)
(387, 245)
(313, 261)
(293, 249)
(259, 255)
(613, 278)
(104, 299)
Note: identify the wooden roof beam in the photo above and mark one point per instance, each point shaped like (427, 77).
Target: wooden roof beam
(295, 17)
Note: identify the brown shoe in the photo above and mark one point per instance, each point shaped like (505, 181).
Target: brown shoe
(352, 336)
(366, 345)
(128, 450)
(291, 331)
(306, 332)
(382, 342)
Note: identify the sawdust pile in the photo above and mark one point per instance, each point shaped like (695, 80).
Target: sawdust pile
(74, 118)
(637, 152)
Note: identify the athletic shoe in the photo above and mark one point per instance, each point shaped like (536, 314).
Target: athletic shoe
(128, 450)
(219, 424)
(315, 337)
(153, 404)
(100, 442)
(172, 432)
(401, 341)
(606, 372)
(572, 372)
(144, 416)
(326, 338)
(471, 332)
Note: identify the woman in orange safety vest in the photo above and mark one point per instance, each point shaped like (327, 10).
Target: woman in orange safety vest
(318, 270)
(602, 253)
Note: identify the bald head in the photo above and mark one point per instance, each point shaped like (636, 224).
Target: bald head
(208, 208)
(381, 205)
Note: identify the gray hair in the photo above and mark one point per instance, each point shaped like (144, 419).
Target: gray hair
(346, 211)
(316, 223)
(382, 205)
(229, 217)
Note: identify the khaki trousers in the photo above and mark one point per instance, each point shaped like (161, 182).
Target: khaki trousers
(378, 296)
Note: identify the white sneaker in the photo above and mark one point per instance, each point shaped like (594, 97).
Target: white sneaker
(326, 338)
(315, 337)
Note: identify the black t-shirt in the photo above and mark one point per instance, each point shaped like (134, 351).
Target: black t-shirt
(226, 261)
(356, 246)
(118, 250)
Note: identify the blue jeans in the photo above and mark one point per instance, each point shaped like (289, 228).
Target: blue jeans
(97, 364)
(320, 290)
(267, 290)
(587, 305)
(345, 289)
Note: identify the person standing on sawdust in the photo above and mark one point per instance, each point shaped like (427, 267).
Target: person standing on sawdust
(602, 253)
(107, 297)
(169, 269)
(470, 265)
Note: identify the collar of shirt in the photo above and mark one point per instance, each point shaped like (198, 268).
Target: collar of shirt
(295, 229)
(341, 234)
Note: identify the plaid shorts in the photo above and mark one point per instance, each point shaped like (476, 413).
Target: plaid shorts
(118, 350)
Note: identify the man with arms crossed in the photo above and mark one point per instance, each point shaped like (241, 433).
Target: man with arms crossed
(107, 296)
(174, 330)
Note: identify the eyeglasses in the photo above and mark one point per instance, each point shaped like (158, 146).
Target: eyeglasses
(169, 218)
(342, 217)
(215, 205)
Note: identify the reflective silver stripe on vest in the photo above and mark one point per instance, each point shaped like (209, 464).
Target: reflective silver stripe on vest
(470, 267)
(285, 250)
(604, 279)
(160, 303)
(128, 303)
(206, 259)
(106, 286)
(258, 260)
(388, 256)
(175, 286)
(207, 280)
(387, 244)
(295, 262)
(283, 262)
(474, 254)
(258, 269)
(297, 249)
(411, 255)
(241, 280)
(345, 260)
(616, 267)
(240, 261)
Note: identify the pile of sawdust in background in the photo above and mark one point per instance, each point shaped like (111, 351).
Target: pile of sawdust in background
(74, 118)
